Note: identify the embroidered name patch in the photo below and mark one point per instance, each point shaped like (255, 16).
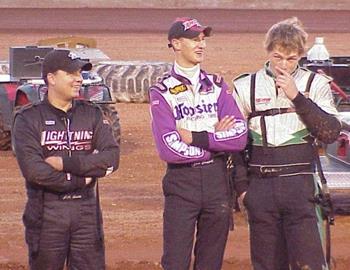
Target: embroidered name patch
(262, 100)
(50, 122)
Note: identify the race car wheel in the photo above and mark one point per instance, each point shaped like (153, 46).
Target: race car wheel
(129, 81)
(111, 115)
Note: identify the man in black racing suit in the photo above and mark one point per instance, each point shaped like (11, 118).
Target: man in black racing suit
(62, 146)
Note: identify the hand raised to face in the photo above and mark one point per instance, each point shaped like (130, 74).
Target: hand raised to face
(286, 82)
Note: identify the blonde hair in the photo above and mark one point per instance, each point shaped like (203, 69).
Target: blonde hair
(288, 34)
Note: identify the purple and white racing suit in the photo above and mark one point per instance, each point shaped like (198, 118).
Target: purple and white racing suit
(195, 185)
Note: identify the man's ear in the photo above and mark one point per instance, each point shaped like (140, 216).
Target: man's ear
(51, 79)
(176, 43)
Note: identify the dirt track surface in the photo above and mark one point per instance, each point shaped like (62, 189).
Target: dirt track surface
(132, 197)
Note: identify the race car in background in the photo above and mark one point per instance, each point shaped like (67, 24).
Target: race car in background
(335, 157)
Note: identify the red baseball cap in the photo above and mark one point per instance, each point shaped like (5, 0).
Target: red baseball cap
(187, 28)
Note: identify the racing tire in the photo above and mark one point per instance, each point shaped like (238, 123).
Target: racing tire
(111, 115)
(130, 81)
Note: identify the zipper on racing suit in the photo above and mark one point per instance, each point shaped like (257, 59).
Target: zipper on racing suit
(67, 126)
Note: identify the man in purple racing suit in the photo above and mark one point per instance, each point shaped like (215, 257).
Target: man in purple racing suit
(195, 121)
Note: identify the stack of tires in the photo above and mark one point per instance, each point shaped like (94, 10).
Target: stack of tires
(129, 81)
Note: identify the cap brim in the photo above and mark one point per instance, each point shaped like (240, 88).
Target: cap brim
(78, 64)
(195, 31)
(192, 33)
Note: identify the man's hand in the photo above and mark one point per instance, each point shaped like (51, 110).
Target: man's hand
(186, 135)
(286, 82)
(226, 123)
(55, 162)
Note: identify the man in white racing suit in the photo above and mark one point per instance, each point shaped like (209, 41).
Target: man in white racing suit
(287, 107)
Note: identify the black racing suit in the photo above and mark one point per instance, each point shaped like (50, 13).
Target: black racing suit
(284, 230)
(62, 217)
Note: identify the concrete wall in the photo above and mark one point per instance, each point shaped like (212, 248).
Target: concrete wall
(173, 4)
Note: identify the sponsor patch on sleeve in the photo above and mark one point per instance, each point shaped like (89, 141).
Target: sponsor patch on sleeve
(174, 143)
(237, 131)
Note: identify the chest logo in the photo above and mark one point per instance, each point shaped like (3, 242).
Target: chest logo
(178, 89)
(262, 100)
(50, 122)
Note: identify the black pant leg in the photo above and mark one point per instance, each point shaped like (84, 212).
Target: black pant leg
(215, 218)
(86, 248)
(267, 242)
(54, 237)
(302, 227)
(182, 203)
